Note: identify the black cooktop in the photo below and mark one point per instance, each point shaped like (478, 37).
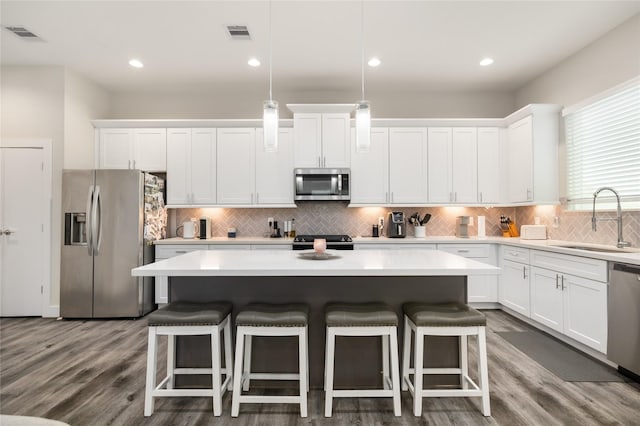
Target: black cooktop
(329, 238)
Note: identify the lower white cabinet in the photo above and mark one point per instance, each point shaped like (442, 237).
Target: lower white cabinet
(514, 287)
(393, 246)
(166, 252)
(480, 288)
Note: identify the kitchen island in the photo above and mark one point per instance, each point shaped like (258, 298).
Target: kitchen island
(276, 276)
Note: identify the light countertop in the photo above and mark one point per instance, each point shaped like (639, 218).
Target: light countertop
(411, 262)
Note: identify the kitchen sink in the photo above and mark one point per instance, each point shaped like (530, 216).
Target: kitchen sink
(597, 249)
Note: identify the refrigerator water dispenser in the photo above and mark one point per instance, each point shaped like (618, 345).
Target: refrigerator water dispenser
(75, 229)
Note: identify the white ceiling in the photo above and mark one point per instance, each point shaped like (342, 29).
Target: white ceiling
(424, 45)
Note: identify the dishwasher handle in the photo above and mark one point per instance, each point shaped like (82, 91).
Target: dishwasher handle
(623, 267)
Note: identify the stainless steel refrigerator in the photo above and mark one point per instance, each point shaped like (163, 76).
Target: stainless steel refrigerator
(111, 218)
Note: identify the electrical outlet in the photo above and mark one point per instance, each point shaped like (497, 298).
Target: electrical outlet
(270, 222)
(470, 220)
(556, 222)
(381, 221)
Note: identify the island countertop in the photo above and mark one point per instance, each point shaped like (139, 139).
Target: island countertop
(412, 262)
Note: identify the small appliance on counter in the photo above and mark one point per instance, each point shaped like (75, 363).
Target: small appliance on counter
(533, 232)
(396, 226)
(205, 228)
(189, 229)
(462, 226)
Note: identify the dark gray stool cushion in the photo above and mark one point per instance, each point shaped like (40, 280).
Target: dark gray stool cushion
(190, 313)
(273, 315)
(443, 315)
(360, 315)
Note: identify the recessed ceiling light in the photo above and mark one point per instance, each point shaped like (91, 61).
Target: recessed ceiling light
(254, 62)
(136, 63)
(374, 62)
(486, 62)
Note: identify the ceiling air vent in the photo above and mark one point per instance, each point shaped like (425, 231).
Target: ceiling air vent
(238, 32)
(24, 33)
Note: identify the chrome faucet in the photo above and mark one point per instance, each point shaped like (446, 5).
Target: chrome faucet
(594, 220)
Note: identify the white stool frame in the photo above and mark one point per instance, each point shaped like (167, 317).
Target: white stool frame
(218, 387)
(416, 389)
(391, 382)
(243, 374)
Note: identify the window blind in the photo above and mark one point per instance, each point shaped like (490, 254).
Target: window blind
(603, 149)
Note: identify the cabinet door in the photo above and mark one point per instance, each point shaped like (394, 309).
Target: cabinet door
(439, 165)
(307, 128)
(464, 165)
(520, 142)
(407, 165)
(115, 148)
(480, 288)
(274, 170)
(514, 287)
(489, 165)
(585, 311)
(370, 170)
(150, 150)
(335, 140)
(203, 166)
(236, 166)
(178, 166)
(546, 298)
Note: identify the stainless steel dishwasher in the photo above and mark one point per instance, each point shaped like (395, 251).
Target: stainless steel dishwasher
(623, 345)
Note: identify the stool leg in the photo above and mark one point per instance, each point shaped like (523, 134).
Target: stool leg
(406, 354)
(215, 371)
(385, 361)
(483, 371)
(247, 363)
(328, 369)
(395, 371)
(417, 379)
(306, 333)
(464, 363)
(303, 369)
(171, 359)
(228, 353)
(237, 372)
(151, 372)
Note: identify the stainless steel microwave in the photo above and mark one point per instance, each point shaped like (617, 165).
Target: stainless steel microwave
(321, 184)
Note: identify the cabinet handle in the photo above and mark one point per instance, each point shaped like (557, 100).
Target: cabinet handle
(455, 197)
(392, 196)
(324, 161)
(557, 285)
(386, 197)
(134, 164)
(529, 194)
(480, 196)
(319, 162)
(463, 251)
(257, 198)
(562, 280)
(524, 272)
(252, 198)
(181, 251)
(514, 254)
(129, 164)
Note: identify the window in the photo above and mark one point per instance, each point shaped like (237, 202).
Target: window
(603, 148)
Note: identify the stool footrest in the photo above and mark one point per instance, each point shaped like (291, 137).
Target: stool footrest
(271, 376)
(451, 392)
(361, 393)
(263, 399)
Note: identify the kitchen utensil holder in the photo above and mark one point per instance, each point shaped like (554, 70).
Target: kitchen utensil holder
(419, 231)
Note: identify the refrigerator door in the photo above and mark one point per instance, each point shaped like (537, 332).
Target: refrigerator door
(118, 243)
(76, 266)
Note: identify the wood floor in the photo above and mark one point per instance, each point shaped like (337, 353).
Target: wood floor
(92, 373)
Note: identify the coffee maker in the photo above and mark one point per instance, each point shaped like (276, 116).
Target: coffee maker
(396, 227)
(205, 228)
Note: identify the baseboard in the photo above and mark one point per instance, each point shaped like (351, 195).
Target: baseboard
(53, 311)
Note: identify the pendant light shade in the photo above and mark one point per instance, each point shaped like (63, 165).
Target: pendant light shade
(270, 113)
(363, 126)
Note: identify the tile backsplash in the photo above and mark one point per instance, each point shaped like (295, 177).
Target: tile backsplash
(337, 218)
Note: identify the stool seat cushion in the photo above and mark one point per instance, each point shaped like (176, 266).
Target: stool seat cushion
(443, 315)
(190, 313)
(360, 315)
(273, 315)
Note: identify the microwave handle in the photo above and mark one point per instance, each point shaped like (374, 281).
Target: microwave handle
(299, 185)
(334, 185)
(339, 184)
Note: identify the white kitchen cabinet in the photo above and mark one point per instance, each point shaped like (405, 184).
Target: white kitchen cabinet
(236, 166)
(321, 139)
(407, 165)
(452, 165)
(191, 166)
(480, 288)
(143, 149)
(439, 164)
(370, 169)
(585, 311)
(274, 170)
(533, 155)
(513, 291)
(163, 252)
(547, 298)
(489, 165)
(393, 246)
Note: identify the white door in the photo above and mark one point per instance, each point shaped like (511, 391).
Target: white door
(274, 170)
(514, 287)
(370, 169)
(150, 150)
(307, 129)
(22, 243)
(464, 165)
(203, 166)
(178, 166)
(407, 165)
(585, 311)
(335, 140)
(520, 139)
(439, 165)
(489, 165)
(547, 298)
(236, 166)
(116, 148)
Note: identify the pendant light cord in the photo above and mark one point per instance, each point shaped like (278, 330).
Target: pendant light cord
(270, 54)
(362, 43)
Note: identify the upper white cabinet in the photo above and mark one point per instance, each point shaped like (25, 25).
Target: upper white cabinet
(370, 169)
(274, 170)
(533, 155)
(321, 138)
(439, 164)
(407, 165)
(191, 166)
(236, 166)
(143, 149)
(489, 165)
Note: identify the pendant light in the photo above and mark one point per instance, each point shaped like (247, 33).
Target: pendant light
(363, 108)
(270, 114)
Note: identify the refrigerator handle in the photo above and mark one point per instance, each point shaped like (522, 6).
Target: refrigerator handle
(88, 227)
(97, 221)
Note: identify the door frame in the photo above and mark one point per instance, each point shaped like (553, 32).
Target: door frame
(48, 308)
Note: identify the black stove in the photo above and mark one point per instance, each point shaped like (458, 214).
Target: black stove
(335, 242)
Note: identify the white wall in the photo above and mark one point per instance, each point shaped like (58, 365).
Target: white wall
(32, 104)
(83, 102)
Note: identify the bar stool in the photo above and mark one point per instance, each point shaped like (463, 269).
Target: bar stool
(261, 319)
(363, 319)
(189, 319)
(448, 319)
